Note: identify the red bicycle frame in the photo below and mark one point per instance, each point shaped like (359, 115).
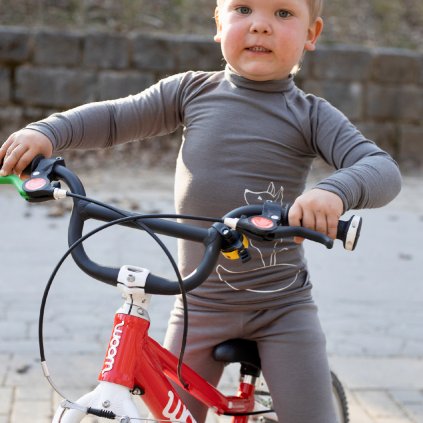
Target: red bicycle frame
(135, 360)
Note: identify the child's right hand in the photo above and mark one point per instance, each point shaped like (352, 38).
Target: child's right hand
(20, 149)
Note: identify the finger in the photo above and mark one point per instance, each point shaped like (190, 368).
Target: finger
(13, 155)
(295, 216)
(309, 219)
(332, 226)
(4, 147)
(321, 223)
(6, 144)
(298, 240)
(24, 162)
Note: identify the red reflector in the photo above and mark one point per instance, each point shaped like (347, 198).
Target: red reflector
(35, 183)
(262, 222)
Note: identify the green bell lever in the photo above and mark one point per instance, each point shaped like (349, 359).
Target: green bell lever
(16, 181)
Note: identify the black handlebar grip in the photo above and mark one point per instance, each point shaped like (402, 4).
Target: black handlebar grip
(348, 230)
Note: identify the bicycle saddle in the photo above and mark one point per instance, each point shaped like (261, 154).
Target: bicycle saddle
(241, 351)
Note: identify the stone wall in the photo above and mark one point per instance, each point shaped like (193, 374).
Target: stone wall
(380, 90)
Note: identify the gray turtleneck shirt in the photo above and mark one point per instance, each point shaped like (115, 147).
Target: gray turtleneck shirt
(243, 142)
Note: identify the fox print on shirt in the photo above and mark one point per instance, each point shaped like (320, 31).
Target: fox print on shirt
(265, 261)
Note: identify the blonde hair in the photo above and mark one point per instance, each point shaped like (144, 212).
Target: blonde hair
(315, 7)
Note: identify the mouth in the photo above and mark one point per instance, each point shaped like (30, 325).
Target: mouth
(258, 49)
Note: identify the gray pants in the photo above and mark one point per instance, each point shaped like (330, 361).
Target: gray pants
(292, 349)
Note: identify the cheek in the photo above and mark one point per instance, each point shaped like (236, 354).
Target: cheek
(231, 42)
(294, 44)
(299, 48)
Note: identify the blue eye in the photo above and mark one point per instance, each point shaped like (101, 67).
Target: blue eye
(243, 10)
(283, 14)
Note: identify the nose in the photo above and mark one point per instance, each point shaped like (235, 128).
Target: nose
(260, 25)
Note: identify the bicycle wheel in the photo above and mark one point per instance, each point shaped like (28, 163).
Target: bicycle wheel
(340, 399)
(264, 402)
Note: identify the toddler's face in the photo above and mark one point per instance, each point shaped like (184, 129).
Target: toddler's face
(265, 39)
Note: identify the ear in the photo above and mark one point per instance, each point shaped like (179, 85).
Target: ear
(271, 189)
(218, 36)
(314, 32)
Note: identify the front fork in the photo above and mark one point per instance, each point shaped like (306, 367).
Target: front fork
(107, 400)
(113, 397)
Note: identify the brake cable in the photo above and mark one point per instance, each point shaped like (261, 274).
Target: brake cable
(97, 230)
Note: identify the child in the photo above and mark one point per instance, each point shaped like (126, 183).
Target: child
(249, 134)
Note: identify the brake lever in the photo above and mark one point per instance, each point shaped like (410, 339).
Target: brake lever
(299, 231)
(40, 186)
(258, 227)
(266, 229)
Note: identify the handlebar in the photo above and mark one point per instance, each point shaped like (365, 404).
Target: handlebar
(266, 222)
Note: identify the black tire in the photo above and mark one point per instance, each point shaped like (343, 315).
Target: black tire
(340, 400)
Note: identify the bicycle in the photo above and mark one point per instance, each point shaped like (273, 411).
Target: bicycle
(130, 349)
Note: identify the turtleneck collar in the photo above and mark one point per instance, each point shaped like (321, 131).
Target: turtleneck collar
(277, 85)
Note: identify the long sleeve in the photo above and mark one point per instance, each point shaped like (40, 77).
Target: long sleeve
(152, 112)
(366, 176)
(371, 182)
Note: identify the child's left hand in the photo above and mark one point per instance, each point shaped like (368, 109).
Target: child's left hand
(317, 209)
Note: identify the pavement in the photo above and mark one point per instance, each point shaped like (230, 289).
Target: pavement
(370, 302)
